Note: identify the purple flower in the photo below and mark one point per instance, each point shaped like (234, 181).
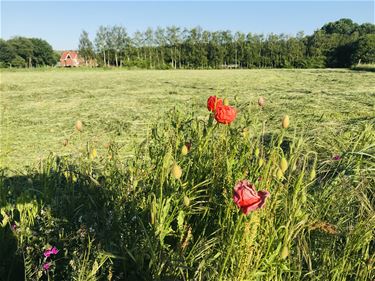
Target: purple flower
(51, 251)
(54, 251)
(336, 158)
(46, 266)
(47, 253)
(13, 227)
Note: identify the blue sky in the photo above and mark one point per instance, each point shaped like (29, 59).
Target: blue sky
(61, 22)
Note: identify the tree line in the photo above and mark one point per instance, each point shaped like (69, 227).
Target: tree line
(336, 44)
(27, 52)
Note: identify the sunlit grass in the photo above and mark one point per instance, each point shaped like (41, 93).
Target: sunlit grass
(39, 109)
(142, 189)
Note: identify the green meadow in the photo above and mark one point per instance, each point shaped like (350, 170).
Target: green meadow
(40, 108)
(124, 198)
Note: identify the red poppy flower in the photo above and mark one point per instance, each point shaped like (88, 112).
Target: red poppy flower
(213, 102)
(246, 198)
(225, 114)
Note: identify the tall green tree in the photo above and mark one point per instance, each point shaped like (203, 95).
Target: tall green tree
(364, 50)
(23, 48)
(101, 42)
(7, 54)
(43, 53)
(86, 47)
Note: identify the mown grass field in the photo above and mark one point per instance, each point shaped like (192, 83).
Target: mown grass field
(39, 108)
(126, 199)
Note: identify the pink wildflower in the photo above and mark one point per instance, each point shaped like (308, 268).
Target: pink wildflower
(46, 266)
(336, 158)
(51, 251)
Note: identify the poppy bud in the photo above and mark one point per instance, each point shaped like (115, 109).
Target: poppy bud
(65, 142)
(184, 150)
(285, 122)
(186, 201)
(283, 165)
(79, 126)
(176, 171)
(261, 101)
(226, 101)
(284, 253)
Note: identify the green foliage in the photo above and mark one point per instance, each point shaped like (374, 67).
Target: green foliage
(195, 48)
(85, 47)
(26, 52)
(364, 50)
(342, 26)
(7, 53)
(115, 218)
(42, 53)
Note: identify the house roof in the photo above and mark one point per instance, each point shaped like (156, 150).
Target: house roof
(72, 54)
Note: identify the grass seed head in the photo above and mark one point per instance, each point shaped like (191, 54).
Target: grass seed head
(279, 174)
(65, 142)
(256, 152)
(285, 122)
(312, 174)
(93, 153)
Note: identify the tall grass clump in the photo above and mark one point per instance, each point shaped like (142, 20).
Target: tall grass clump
(168, 212)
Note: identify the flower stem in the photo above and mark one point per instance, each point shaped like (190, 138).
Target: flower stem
(239, 222)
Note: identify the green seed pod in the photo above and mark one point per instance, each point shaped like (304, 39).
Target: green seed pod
(176, 171)
(226, 101)
(285, 122)
(312, 174)
(260, 162)
(283, 164)
(279, 174)
(256, 152)
(186, 201)
(184, 150)
(284, 252)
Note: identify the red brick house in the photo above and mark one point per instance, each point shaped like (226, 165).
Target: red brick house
(69, 59)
